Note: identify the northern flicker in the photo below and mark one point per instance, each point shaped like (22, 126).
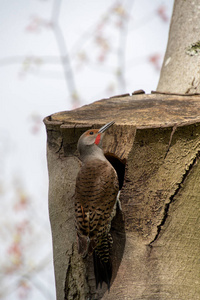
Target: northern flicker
(95, 203)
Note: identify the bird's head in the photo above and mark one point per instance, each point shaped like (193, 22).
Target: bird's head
(91, 140)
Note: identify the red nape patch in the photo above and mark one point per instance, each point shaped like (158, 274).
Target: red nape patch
(98, 138)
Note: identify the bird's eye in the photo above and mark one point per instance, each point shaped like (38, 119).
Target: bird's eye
(91, 132)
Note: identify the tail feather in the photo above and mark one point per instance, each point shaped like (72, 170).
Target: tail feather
(101, 256)
(102, 271)
(102, 261)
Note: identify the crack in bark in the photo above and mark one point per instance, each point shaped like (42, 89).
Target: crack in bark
(170, 139)
(61, 144)
(66, 288)
(171, 198)
(193, 87)
(71, 290)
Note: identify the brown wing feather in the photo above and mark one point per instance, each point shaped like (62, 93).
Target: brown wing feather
(95, 196)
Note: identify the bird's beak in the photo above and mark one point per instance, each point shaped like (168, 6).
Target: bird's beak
(105, 127)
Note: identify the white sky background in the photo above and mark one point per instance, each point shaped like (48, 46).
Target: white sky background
(30, 91)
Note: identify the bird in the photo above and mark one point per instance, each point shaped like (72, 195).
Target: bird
(96, 193)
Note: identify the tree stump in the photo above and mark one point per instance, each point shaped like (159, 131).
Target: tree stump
(154, 146)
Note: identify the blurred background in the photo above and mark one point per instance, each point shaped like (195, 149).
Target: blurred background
(54, 56)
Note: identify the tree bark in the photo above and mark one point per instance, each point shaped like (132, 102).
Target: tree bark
(156, 237)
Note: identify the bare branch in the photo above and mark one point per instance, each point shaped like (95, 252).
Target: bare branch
(122, 46)
(69, 76)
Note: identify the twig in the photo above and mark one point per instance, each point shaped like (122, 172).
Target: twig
(69, 76)
(122, 47)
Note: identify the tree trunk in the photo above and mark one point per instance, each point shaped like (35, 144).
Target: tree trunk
(155, 148)
(181, 66)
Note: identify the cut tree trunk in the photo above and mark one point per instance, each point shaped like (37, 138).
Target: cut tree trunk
(156, 250)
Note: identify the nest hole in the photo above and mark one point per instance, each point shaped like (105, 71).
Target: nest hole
(118, 165)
